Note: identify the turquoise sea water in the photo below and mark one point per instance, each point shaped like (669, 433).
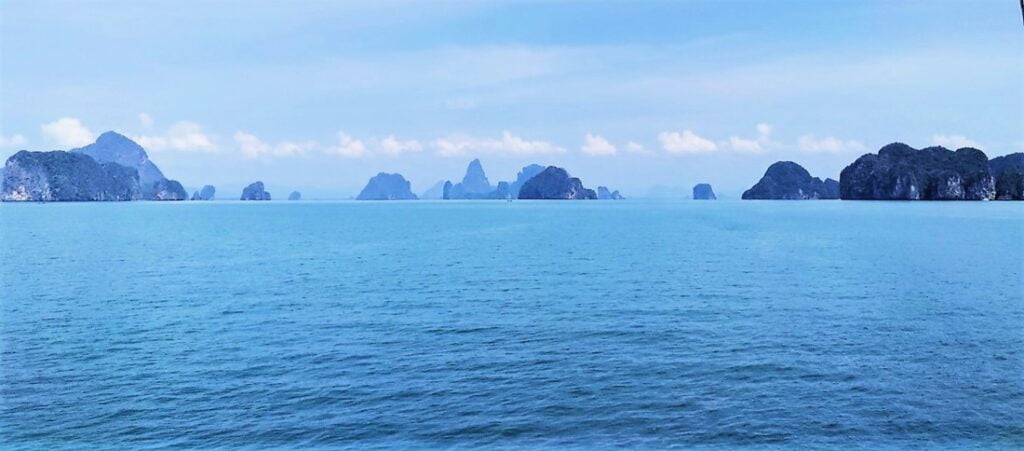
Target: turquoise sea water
(523, 324)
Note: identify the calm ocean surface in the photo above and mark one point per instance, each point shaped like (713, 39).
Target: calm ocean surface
(525, 324)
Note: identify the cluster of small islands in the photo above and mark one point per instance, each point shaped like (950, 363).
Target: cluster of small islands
(115, 168)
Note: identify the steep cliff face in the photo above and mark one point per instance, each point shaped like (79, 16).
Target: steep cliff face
(555, 183)
(790, 181)
(901, 172)
(1008, 173)
(703, 191)
(474, 184)
(114, 147)
(385, 186)
(64, 176)
(255, 191)
(446, 190)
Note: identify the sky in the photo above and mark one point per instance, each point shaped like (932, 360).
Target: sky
(648, 97)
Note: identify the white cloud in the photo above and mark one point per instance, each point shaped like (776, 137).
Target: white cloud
(347, 147)
(12, 141)
(290, 148)
(685, 142)
(509, 144)
(596, 145)
(183, 136)
(744, 145)
(635, 148)
(392, 146)
(250, 145)
(954, 141)
(68, 132)
(146, 120)
(828, 144)
(253, 147)
(762, 143)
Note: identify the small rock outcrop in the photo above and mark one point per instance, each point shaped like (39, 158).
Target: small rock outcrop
(255, 191)
(703, 191)
(1008, 174)
(206, 193)
(114, 147)
(59, 176)
(603, 193)
(384, 186)
(901, 172)
(555, 183)
(165, 189)
(295, 195)
(446, 190)
(790, 181)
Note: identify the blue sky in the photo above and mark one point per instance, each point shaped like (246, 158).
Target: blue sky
(320, 95)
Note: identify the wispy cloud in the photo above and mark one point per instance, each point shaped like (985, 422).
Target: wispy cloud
(828, 144)
(183, 136)
(253, 147)
(508, 144)
(392, 146)
(762, 143)
(596, 145)
(12, 141)
(954, 141)
(67, 132)
(346, 147)
(685, 142)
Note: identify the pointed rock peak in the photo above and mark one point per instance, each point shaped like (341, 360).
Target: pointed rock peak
(475, 170)
(114, 137)
(475, 180)
(112, 145)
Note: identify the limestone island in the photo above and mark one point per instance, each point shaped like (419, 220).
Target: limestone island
(60, 176)
(384, 186)
(789, 181)
(901, 172)
(89, 173)
(255, 191)
(1008, 173)
(555, 183)
(116, 148)
(475, 185)
(603, 193)
(703, 191)
(207, 193)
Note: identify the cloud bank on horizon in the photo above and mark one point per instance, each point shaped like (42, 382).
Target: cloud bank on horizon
(321, 95)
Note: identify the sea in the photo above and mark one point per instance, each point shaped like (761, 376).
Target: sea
(507, 325)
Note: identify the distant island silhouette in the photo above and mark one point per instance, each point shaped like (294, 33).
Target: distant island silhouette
(116, 168)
